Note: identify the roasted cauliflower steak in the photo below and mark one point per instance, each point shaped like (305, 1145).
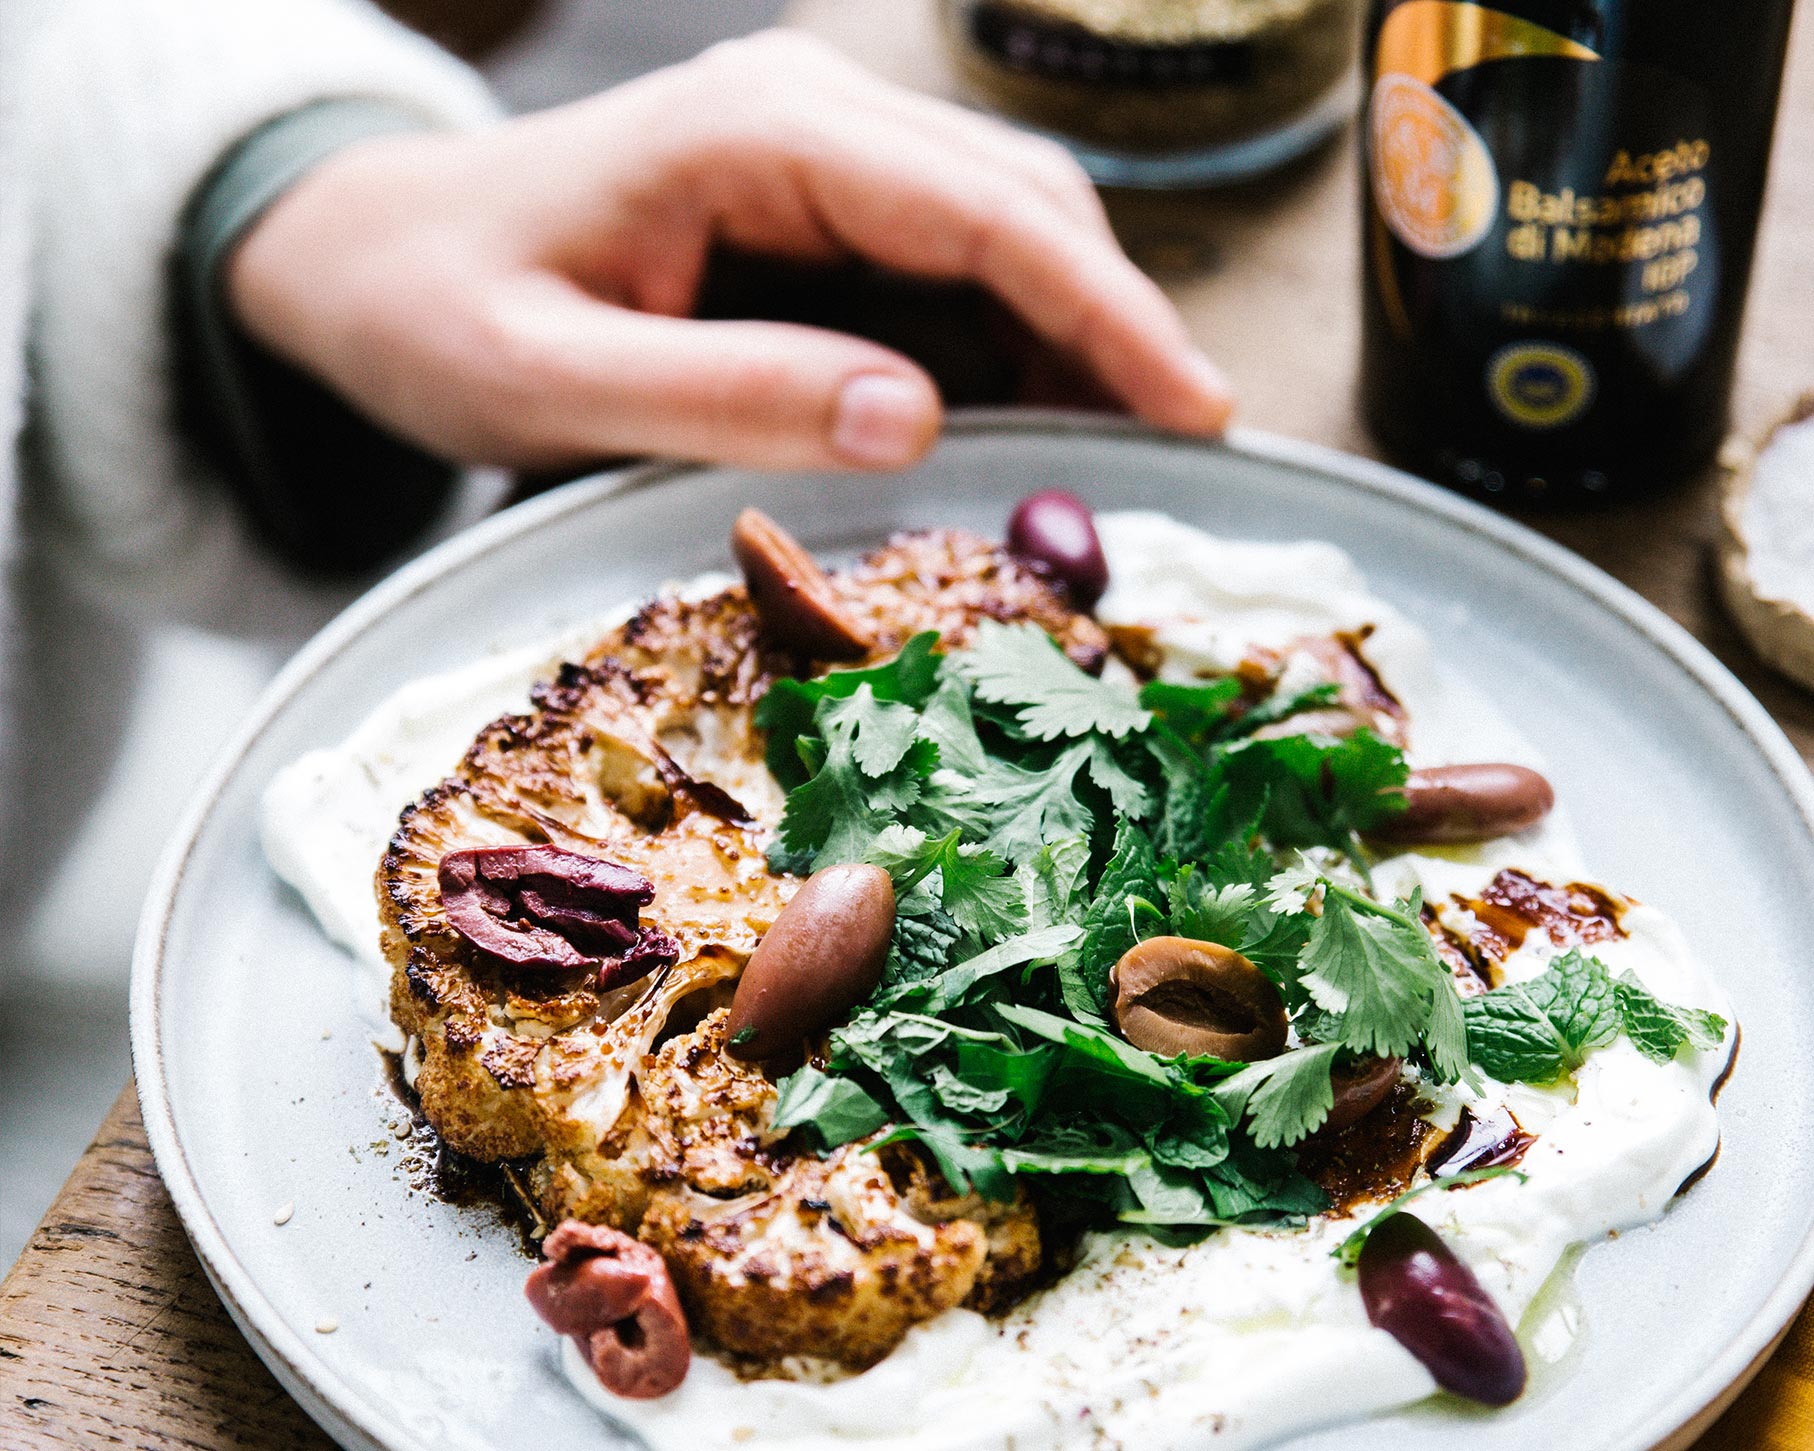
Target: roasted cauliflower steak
(646, 753)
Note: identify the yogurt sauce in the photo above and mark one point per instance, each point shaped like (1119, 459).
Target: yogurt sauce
(1250, 1336)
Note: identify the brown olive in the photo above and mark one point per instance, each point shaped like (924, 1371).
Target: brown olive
(612, 1295)
(1430, 1302)
(1057, 530)
(1453, 804)
(1177, 995)
(796, 603)
(822, 957)
(1360, 1087)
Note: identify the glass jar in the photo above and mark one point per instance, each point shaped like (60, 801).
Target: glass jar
(1164, 92)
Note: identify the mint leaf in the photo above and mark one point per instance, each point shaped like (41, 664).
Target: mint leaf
(834, 1110)
(1132, 871)
(1660, 1030)
(1021, 666)
(1102, 1050)
(963, 1096)
(1541, 1030)
(920, 948)
(1041, 945)
(1310, 791)
(1279, 707)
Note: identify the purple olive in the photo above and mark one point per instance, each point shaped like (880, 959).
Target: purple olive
(1430, 1302)
(1057, 530)
(1467, 803)
(823, 955)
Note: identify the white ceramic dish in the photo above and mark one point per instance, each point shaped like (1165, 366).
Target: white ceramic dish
(261, 1088)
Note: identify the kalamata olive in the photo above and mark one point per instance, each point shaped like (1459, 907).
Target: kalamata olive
(1360, 1087)
(611, 1294)
(1430, 1302)
(543, 906)
(1476, 802)
(1177, 995)
(822, 957)
(1058, 530)
(794, 600)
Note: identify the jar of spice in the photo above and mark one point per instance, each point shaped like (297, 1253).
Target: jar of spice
(1164, 92)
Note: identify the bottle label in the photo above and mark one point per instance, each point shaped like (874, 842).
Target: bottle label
(1433, 177)
(1565, 198)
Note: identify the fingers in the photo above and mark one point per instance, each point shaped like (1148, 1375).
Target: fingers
(609, 380)
(1071, 284)
(926, 188)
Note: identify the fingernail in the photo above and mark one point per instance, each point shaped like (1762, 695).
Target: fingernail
(1215, 391)
(881, 421)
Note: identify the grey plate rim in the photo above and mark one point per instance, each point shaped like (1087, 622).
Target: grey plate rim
(336, 1408)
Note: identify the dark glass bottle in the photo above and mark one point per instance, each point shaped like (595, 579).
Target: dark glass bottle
(1559, 203)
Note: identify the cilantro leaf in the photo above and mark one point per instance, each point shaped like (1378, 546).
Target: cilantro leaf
(1198, 713)
(1011, 810)
(1374, 971)
(1540, 1030)
(1021, 666)
(1661, 1030)
(787, 710)
(1207, 913)
(1053, 880)
(834, 1110)
(1288, 1096)
(971, 888)
(1127, 792)
(880, 732)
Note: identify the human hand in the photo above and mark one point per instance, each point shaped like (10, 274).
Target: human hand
(519, 296)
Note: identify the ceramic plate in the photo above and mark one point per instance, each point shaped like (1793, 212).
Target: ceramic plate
(261, 1087)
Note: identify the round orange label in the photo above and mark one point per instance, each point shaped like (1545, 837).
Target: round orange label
(1433, 178)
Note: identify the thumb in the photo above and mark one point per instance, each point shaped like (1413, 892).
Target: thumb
(763, 394)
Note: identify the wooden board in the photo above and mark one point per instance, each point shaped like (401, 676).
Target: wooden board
(109, 1333)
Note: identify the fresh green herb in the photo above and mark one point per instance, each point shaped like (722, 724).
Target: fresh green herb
(1020, 666)
(1287, 1097)
(1540, 1030)
(742, 1036)
(1037, 822)
(1348, 1252)
(1661, 1030)
(1374, 972)
(836, 1110)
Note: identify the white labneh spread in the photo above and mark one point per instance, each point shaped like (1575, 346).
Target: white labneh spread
(1249, 1336)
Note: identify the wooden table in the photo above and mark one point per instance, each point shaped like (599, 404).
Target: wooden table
(110, 1335)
